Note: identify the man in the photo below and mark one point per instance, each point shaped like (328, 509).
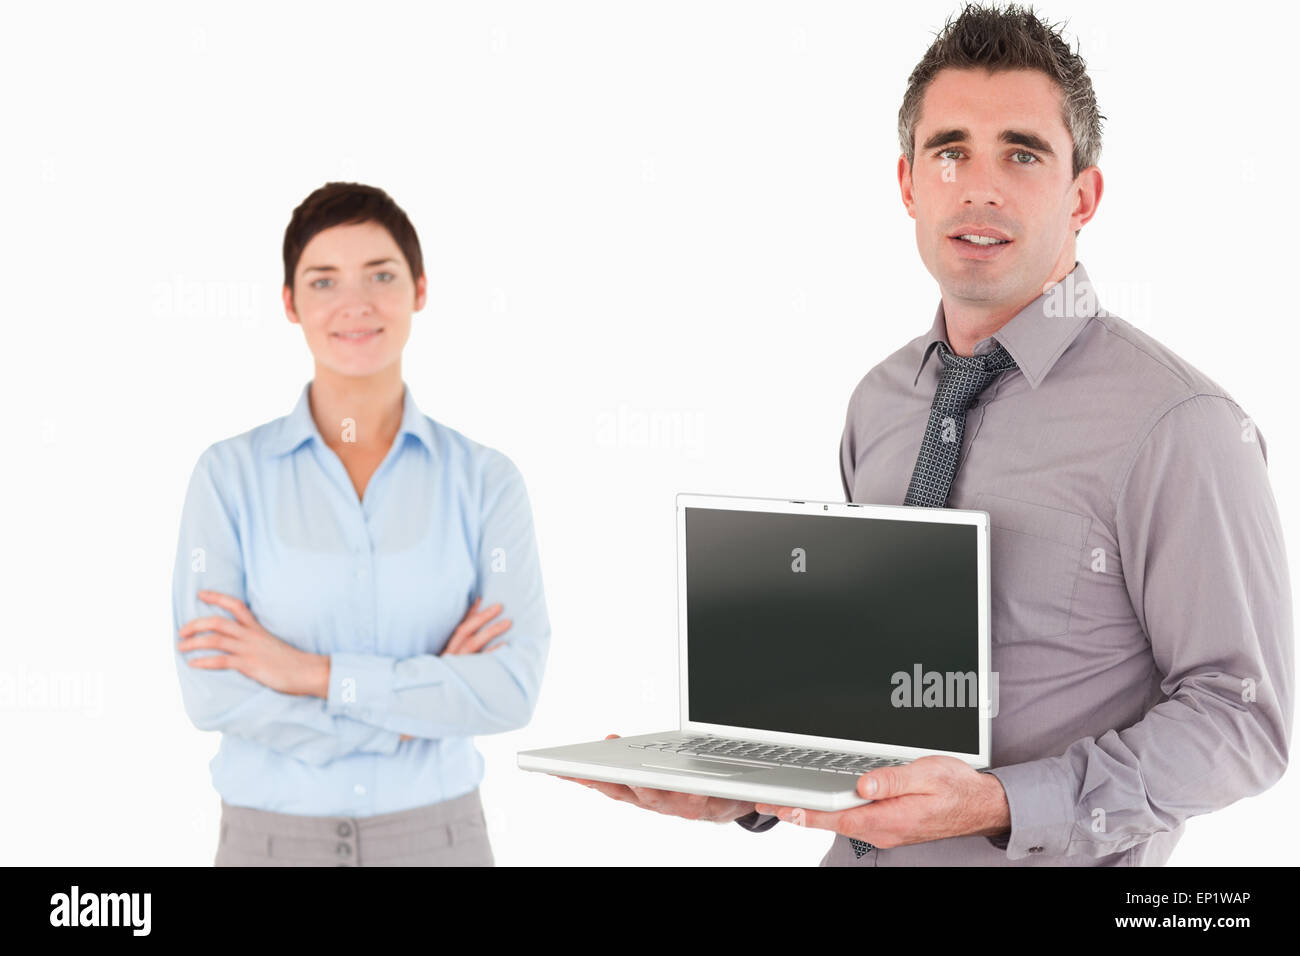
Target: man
(1141, 607)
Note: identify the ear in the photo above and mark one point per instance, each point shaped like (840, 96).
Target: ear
(1088, 187)
(287, 295)
(905, 184)
(421, 292)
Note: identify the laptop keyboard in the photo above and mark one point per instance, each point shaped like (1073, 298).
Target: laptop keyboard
(775, 755)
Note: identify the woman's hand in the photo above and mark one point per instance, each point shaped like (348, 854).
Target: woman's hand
(473, 633)
(253, 650)
(470, 635)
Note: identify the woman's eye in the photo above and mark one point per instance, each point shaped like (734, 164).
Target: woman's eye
(385, 277)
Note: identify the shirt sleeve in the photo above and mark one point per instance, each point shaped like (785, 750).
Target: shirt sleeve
(1204, 564)
(208, 557)
(428, 695)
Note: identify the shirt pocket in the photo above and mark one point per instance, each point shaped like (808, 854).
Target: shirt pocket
(1034, 556)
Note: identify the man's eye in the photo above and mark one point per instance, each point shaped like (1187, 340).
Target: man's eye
(316, 284)
(390, 275)
(1020, 152)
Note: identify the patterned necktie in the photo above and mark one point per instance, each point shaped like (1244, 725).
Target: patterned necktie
(962, 379)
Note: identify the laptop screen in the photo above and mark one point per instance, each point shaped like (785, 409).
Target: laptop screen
(836, 626)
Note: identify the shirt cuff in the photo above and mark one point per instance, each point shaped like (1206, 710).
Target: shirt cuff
(1042, 809)
(360, 685)
(756, 822)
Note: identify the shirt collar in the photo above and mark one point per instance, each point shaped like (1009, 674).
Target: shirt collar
(298, 426)
(1037, 334)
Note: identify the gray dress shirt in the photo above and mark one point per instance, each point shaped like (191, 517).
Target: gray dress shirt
(1141, 602)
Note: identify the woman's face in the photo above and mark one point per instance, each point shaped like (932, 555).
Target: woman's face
(354, 279)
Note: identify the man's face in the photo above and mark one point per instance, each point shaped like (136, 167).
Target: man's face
(354, 278)
(993, 152)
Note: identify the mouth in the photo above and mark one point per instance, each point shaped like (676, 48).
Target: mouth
(970, 245)
(358, 336)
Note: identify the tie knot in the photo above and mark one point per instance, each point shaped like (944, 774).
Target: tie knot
(965, 376)
(995, 360)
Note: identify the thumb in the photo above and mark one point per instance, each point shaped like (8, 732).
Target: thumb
(884, 782)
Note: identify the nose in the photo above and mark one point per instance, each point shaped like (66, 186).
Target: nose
(979, 182)
(356, 304)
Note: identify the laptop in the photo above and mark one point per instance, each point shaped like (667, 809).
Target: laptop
(816, 641)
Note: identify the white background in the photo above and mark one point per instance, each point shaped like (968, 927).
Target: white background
(664, 242)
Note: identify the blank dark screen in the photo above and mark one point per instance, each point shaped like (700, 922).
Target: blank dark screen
(814, 651)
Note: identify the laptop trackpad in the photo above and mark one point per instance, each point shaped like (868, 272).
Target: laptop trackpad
(700, 765)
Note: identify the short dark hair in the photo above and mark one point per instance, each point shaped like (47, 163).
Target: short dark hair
(336, 204)
(1013, 38)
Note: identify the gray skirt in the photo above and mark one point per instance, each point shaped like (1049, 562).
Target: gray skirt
(451, 833)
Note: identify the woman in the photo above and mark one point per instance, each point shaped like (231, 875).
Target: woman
(339, 579)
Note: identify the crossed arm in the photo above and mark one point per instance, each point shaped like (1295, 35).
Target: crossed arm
(238, 678)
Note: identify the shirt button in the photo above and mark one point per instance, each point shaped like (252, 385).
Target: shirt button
(361, 573)
(345, 850)
(358, 789)
(345, 829)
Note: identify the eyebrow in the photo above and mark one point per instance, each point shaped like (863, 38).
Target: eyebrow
(372, 262)
(1014, 137)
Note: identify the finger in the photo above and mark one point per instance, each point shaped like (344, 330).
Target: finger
(795, 815)
(470, 624)
(215, 662)
(582, 780)
(220, 642)
(615, 790)
(472, 608)
(231, 604)
(652, 798)
(885, 782)
(203, 625)
(471, 642)
(815, 819)
(473, 620)
(476, 642)
(198, 624)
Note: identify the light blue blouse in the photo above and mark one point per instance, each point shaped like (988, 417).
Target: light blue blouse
(378, 584)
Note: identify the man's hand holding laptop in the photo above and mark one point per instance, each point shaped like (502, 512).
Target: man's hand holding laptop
(931, 798)
(692, 806)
